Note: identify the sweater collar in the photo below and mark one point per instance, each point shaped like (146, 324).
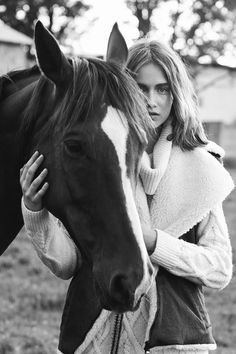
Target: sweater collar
(153, 166)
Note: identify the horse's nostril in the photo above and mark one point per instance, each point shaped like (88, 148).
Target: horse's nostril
(120, 288)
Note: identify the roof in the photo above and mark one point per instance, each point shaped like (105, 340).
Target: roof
(213, 64)
(10, 35)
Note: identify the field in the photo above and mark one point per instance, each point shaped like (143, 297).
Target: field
(222, 305)
(31, 298)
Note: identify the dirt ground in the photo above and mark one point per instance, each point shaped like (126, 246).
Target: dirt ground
(31, 298)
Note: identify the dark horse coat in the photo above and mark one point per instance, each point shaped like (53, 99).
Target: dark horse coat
(87, 117)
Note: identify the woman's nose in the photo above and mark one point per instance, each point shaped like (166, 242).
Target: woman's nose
(151, 100)
(151, 103)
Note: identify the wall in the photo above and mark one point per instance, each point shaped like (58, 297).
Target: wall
(218, 98)
(216, 87)
(12, 57)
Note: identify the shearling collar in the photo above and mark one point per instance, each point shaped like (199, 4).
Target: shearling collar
(193, 184)
(185, 185)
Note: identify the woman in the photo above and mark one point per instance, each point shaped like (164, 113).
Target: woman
(183, 222)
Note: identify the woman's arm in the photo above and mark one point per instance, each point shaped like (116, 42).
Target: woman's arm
(208, 263)
(49, 237)
(52, 242)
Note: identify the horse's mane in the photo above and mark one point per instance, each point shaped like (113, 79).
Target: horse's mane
(90, 76)
(118, 87)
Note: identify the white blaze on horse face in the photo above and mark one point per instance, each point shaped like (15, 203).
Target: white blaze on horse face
(116, 128)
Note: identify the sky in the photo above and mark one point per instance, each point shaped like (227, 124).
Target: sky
(107, 12)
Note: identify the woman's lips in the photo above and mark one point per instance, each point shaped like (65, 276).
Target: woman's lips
(154, 115)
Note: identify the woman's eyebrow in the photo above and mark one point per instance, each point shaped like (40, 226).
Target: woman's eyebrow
(141, 84)
(163, 84)
(159, 84)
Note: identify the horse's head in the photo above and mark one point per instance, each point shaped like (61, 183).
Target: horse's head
(89, 124)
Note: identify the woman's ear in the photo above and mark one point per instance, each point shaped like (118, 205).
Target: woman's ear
(117, 50)
(52, 62)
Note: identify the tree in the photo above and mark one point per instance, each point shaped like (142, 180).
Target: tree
(21, 14)
(199, 28)
(143, 10)
(230, 4)
(207, 32)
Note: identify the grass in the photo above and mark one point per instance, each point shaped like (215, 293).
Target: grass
(222, 304)
(31, 301)
(32, 298)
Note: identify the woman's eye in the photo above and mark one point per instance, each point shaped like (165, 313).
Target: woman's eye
(163, 90)
(144, 89)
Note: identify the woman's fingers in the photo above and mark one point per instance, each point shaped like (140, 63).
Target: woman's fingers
(29, 172)
(25, 168)
(33, 188)
(36, 183)
(40, 193)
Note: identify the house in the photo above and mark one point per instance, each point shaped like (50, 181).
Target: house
(13, 49)
(216, 89)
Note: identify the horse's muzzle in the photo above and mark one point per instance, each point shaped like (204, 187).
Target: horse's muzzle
(120, 294)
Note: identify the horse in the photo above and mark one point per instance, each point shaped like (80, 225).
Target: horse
(88, 119)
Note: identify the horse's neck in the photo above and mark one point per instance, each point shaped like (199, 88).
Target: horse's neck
(81, 310)
(11, 108)
(12, 104)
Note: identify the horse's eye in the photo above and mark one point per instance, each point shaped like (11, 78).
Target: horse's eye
(75, 147)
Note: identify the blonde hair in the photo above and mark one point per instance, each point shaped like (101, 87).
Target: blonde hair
(188, 131)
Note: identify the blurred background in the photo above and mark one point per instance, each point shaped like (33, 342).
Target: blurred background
(203, 32)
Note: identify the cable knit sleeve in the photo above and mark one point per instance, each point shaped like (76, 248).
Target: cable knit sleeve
(209, 262)
(52, 242)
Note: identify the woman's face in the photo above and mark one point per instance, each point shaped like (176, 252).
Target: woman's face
(152, 81)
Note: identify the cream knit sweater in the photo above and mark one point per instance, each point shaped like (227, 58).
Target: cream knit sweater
(208, 263)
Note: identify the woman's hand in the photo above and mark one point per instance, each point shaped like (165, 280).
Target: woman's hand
(32, 192)
(150, 238)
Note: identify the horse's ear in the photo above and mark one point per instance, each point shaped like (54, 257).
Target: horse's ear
(52, 62)
(117, 50)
